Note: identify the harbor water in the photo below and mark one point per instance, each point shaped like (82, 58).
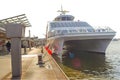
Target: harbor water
(93, 66)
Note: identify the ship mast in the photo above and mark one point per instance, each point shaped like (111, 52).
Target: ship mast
(63, 12)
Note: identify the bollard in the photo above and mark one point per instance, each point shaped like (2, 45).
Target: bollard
(40, 60)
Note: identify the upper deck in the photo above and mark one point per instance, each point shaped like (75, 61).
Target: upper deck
(65, 25)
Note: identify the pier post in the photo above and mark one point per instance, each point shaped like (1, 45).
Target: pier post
(15, 32)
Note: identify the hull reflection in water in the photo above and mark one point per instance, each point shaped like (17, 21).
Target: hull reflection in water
(93, 66)
(86, 62)
(84, 65)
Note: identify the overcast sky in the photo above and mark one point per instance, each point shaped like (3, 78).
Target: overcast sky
(39, 12)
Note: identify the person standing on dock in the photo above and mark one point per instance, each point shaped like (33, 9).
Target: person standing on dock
(8, 46)
(42, 50)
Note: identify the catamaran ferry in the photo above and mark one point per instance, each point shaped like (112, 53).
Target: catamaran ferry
(63, 33)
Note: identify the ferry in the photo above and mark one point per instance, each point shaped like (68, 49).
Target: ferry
(64, 33)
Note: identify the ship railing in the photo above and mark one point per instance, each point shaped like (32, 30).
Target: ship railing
(80, 31)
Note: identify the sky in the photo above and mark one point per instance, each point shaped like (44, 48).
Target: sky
(39, 12)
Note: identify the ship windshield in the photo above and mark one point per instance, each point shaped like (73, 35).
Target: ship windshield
(66, 18)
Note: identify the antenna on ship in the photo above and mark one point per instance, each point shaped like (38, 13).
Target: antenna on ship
(62, 11)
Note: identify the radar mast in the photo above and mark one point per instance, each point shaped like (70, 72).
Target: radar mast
(63, 12)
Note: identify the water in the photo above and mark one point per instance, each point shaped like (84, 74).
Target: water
(86, 66)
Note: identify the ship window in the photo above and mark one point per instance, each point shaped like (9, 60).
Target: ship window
(90, 30)
(62, 25)
(84, 24)
(69, 18)
(52, 25)
(80, 24)
(58, 31)
(72, 31)
(57, 19)
(71, 25)
(80, 30)
(64, 18)
(66, 24)
(74, 24)
(56, 25)
(64, 31)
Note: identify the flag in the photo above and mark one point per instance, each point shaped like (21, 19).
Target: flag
(46, 47)
(48, 50)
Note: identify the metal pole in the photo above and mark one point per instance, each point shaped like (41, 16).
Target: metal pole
(29, 40)
(61, 48)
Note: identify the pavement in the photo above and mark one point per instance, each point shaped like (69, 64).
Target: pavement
(30, 69)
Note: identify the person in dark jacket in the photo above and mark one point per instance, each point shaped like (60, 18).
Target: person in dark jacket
(8, 46)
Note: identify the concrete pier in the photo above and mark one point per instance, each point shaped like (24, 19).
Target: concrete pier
(32, 71)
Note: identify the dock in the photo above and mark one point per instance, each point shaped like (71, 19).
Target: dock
(31, 70)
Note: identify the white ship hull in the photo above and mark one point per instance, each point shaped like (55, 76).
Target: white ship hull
(90, 42)
(92, 45)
